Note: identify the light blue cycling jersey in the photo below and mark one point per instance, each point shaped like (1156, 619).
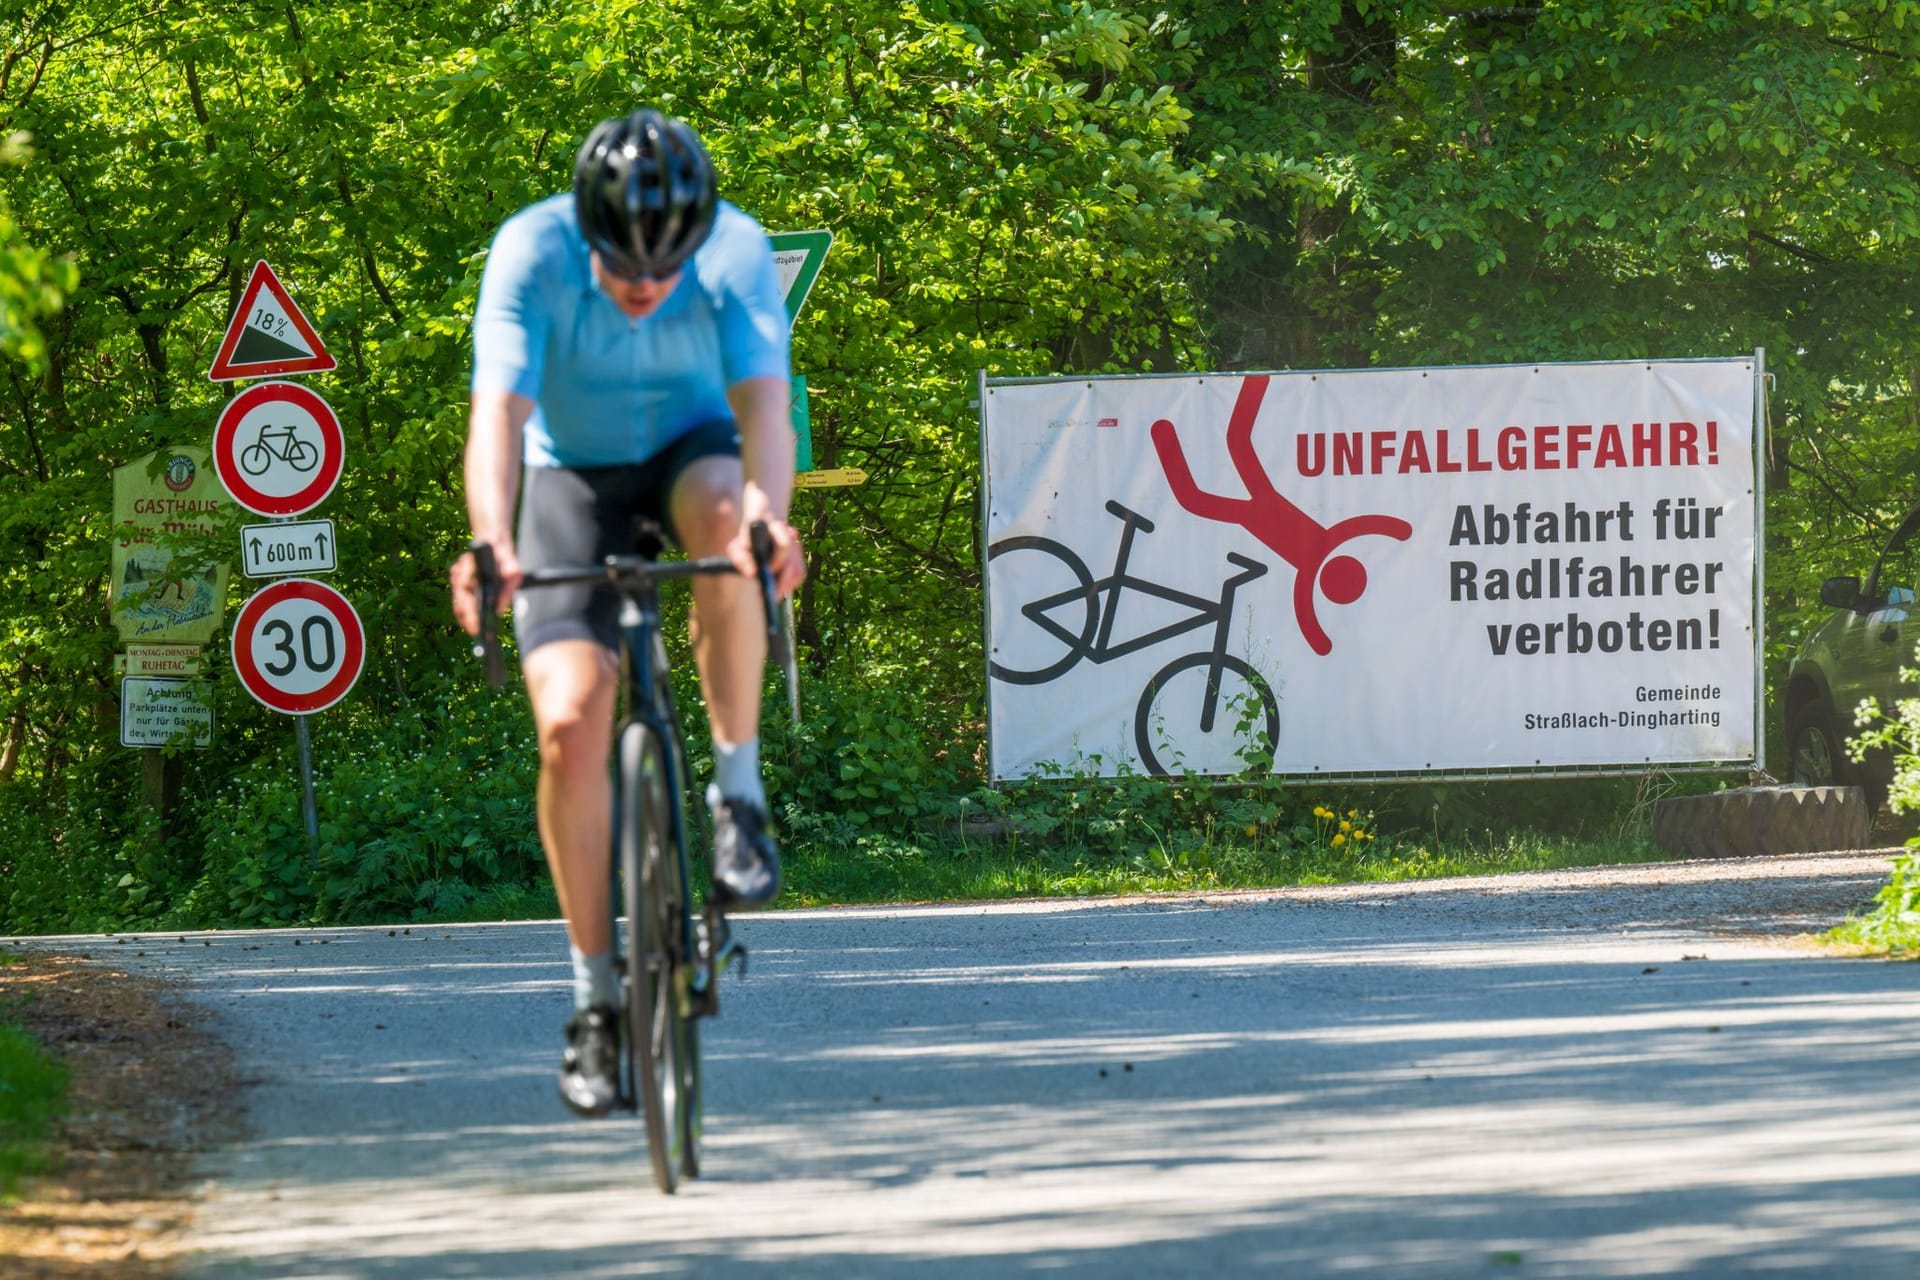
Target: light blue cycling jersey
(610, 390)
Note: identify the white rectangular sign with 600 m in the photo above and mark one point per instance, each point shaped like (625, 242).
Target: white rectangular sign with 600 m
(294, 546)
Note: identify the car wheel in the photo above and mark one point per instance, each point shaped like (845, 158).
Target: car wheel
(1816, 749)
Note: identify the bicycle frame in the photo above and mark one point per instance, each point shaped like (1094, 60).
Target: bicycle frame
(1217, 613)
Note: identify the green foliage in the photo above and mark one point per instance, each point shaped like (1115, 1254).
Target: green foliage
(33, 283)
(1119, 837)
(33, 1090)
(1893, 925)
(863, 753)
(428, 812)
(1005, 189)
(1043, 186)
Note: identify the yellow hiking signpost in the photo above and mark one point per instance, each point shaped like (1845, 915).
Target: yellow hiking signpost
(834, 478)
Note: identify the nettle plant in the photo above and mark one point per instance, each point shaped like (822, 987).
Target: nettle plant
(1894, 923)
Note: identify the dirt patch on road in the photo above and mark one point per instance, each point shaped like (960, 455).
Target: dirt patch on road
(149, 1089)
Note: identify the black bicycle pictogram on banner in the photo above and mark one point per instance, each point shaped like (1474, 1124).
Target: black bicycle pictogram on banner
(1077, 623)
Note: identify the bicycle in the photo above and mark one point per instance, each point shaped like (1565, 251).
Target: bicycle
(295, 452)
(675, 954)
(1092, 639)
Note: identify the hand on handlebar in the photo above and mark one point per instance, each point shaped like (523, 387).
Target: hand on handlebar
(481, 594)
(465, 579)
(785, 560)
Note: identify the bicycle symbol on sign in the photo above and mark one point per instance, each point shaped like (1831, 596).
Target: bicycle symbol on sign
(1076, 624)
(286, 446)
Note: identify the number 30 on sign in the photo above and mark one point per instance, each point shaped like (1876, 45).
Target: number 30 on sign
(298, 646)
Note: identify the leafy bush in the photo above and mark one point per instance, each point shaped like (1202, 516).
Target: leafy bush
(423, 814)
(1894, 923)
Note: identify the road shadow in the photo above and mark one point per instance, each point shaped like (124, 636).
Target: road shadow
(1438, 1081)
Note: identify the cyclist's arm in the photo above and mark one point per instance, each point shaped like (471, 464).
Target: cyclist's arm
(510, 323)
(766, 456)
(494, 427)
(751, 313)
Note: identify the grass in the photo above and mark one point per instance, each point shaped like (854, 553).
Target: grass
(872, 868)
(880, 869)
(1129, 836)
(33, 1090)
(1892, 928)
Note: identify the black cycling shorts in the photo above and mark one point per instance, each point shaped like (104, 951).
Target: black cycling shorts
(581, 515)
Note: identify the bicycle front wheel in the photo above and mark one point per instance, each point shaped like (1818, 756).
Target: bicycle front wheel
(1192, 720)
(660, 1032)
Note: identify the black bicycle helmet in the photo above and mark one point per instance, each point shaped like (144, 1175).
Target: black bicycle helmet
(643, 190)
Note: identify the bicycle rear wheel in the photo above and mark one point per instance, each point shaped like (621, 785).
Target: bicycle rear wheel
(660, 1031)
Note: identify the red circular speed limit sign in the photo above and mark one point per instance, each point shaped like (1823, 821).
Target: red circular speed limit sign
(279, 449)
(298, 646)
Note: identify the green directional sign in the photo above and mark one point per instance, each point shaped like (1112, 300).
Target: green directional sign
(802, 416)
(798, 255)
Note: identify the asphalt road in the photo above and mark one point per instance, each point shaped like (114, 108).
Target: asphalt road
(1557, 1075)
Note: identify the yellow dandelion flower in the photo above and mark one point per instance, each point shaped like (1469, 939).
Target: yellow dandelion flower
(1345, 825)
(1338, 840)
(1321, 811)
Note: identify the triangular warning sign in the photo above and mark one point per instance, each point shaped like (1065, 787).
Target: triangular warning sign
(268, 336)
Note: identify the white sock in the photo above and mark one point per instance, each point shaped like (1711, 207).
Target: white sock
(593, 979)
(736, 773)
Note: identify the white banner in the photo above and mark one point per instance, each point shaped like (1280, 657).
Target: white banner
(1514, 567)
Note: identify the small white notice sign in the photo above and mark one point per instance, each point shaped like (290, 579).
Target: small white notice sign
(288, 548)
(154, 710)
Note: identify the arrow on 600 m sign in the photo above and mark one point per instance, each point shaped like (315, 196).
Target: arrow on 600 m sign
(298, 646)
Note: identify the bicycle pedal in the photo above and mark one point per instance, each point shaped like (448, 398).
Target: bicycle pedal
(728, 953)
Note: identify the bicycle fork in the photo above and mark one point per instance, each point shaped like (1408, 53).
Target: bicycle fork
(1249, 570)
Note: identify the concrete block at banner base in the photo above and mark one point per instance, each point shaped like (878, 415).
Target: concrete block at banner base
(1753, 821)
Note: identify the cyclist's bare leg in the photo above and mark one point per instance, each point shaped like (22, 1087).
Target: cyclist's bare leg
(571, 684)
(729, 626)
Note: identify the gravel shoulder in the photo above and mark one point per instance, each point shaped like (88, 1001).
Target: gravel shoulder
(151, 1089)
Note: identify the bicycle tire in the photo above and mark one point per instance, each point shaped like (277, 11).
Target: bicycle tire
(258, 452)
(302, 456)
(1078, 647)
(659, 1031)
(1144, 718)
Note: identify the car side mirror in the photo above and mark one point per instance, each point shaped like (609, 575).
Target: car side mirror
(1841, 592)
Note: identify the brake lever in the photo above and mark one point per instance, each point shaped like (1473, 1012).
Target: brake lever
(761, 539)
(779, 638)
(486, 645)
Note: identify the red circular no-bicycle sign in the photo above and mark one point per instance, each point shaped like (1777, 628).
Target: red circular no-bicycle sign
(298, 646)
(279, 449)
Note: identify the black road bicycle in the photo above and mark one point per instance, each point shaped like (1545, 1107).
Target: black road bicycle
(675, 950)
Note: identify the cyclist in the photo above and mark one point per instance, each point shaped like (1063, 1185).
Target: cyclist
(630, 359)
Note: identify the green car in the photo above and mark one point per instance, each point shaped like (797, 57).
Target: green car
(1855, 655)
